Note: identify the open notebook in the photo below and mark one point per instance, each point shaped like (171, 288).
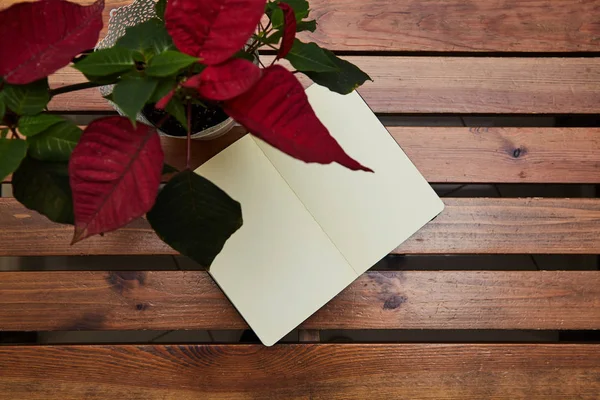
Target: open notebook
(309, 229)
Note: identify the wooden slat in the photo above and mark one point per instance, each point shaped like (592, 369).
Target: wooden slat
(441, 85)
(309, 371)
(470, 225)
(507, 155)
(169, 300)
(457, 25)
(466, 155)
(447, 25)
(494, 226)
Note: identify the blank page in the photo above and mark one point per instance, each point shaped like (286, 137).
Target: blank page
(279, 267)
(365, 214)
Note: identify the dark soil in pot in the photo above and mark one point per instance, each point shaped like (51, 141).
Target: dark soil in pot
(202, 118)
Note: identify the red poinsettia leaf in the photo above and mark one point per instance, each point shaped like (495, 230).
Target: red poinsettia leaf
(114, 173)
(289, 30)
(162, 103)
(277, 110)
(192, 82)
(226, 81)
(212, 30)
(39, 38)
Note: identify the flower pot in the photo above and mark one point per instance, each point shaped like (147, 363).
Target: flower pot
(207, 123)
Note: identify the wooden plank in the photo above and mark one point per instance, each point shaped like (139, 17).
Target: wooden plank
(171, 300)
(507, 155)
(513, 226)
(457, 25)
(446, 25)
(315, 371)
(469, 155)
(466, 226)
(440, 85)
(465, 155)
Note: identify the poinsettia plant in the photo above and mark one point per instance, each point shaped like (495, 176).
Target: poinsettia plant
(193, 52)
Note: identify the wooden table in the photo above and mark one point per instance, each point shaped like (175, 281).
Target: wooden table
(438, 57)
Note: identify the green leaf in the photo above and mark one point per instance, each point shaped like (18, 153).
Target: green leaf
(160, 8)
(168, 63)
(107, 62)
(27, 99)
(4, 133)
(344, 81)
(177, 110)
(12, 152)
(310, 57)
(139, 57)
(44, 187)
(163, 87)
(105, 80)
(244, 55)
(2, 109)
(56, 143)
(131, 93)
(197, 68)
(277, 18)
(30, 125)
(306, 26)
(276, 14)
(275, 37)
(195, 217)
(149, 38)
(168, 169)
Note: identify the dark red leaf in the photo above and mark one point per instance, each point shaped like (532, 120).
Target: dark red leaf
(192, 82)
(38, 38)
(162, 103)
(212, 29)
(114, 174)
(289, 30)
(226, 81)
(277, 110)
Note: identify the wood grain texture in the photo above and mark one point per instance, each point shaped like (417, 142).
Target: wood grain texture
(467, 155)
(175, 300)
(457, 25)
(446, 25)
(308, 371)
(466, 226)
(513, 226)
(506, 155)
(440, 85)
(464, 155)
(202, 150)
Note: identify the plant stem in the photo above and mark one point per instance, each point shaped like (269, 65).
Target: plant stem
(77, 86)
(189, 135)
(253, 47)
(162, 121)
(15, 135)
(258, 42)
